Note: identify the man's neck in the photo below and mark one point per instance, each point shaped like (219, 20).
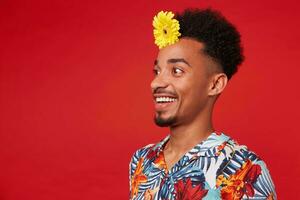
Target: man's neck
(186, 136)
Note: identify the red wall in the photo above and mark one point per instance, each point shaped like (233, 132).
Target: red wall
(75, 93)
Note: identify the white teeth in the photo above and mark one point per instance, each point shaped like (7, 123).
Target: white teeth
(164, 99)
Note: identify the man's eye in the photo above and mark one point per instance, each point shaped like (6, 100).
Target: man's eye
(177, 71)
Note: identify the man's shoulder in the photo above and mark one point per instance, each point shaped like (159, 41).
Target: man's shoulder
(239, 156)
(222, 143)
(140, 157)
(149, 150)
(143, 151)
(242, 151)
(242, 165)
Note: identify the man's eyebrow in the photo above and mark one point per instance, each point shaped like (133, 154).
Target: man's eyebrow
(175, 60)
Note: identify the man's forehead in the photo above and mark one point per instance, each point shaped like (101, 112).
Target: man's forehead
(184, 50)
(188, 51)
(182, 47)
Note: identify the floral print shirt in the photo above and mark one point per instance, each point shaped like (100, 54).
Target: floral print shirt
(216, 168)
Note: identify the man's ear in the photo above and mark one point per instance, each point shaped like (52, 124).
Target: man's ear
(218, 84)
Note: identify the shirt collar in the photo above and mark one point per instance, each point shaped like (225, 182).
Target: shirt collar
(208, 147)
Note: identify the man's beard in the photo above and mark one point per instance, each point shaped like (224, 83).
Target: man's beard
(164, 122)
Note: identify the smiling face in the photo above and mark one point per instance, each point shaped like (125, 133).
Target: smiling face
(182, 87)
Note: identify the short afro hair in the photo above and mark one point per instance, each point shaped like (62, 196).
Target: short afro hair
(220, 38)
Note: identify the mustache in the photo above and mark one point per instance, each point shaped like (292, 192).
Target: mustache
(161, 90)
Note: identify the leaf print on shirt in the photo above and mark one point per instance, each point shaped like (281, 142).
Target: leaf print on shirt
(220, 165)
(236, 185)
(137, 178)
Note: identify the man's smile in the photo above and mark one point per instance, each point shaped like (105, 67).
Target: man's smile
(163, 102)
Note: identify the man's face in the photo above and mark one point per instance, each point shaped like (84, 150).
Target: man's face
(180, 86)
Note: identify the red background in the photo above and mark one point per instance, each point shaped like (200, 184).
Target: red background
(76, 102)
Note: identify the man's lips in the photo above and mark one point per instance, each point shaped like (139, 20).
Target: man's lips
(163, 106)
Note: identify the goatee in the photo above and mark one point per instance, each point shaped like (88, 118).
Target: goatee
(164, 122)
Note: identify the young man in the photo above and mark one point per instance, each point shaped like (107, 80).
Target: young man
(199, 52)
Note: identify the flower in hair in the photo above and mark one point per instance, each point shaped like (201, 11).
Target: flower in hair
(166, 29)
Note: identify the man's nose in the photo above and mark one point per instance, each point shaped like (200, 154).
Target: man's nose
(159, 81)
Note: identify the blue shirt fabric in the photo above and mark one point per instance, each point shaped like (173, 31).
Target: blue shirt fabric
(216, 168)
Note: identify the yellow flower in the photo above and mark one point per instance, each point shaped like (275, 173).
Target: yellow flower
(166, 29)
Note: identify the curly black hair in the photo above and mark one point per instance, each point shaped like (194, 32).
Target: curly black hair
(220, 38)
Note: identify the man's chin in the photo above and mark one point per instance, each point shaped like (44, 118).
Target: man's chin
(164, 122)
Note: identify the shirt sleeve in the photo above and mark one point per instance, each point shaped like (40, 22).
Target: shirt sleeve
(130, 175)
(246, 176)
(263, 186)
(132, 167)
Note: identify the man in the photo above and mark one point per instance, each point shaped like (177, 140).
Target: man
(199, 52)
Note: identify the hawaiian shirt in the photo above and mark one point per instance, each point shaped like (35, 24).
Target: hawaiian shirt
(216, 168)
